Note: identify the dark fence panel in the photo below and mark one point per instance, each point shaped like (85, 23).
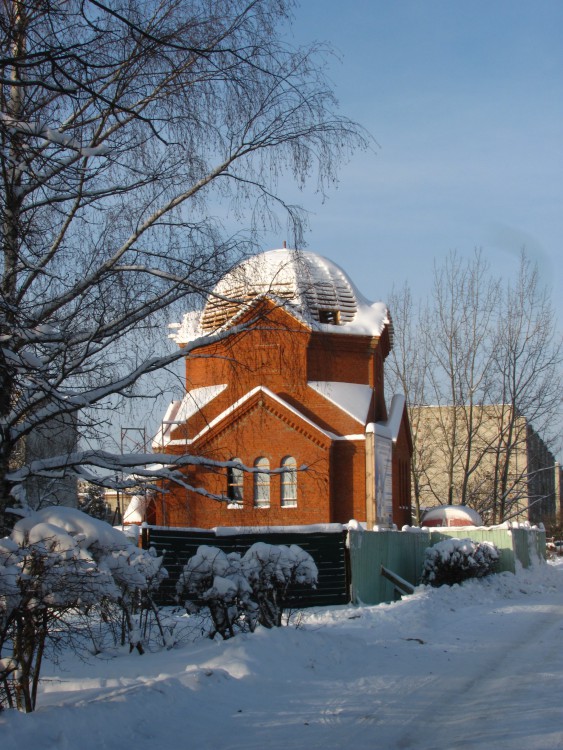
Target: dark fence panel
(328, 550)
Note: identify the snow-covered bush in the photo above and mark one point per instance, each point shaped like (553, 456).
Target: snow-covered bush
(57, 566)
(270, 570)
(455, 560)
(241, 591)
(217, 582)
(135, 573)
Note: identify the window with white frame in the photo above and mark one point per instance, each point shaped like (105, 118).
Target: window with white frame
(235, 485)
(262, 483)
(289, 482)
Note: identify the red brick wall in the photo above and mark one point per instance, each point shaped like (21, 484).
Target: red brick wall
(262, 430)
(282, 354)
(348, 482)
(402, 451)
(277, 353)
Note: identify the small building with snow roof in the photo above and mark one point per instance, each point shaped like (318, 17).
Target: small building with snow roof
(284, 381)
(451, 515)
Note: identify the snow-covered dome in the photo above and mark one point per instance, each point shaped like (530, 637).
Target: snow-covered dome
(312, 286)
(451, 515)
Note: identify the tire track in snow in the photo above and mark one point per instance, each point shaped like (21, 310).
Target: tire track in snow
(473, 710)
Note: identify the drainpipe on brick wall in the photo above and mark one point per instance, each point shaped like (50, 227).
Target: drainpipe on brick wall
(371, 509)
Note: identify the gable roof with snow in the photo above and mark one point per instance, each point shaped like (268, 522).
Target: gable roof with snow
(352, 398)
(241, 402)
(179, 412)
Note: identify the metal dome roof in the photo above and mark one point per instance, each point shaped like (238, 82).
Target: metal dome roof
(312, 286)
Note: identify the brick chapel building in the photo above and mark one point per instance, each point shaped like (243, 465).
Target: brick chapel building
(284, 376)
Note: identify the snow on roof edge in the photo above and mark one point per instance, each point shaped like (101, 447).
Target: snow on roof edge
(192, 402)
(391, 427)
(230, 409)
(352, 398)
(396, 414)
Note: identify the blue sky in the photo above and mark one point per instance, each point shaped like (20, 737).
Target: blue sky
(465, 100)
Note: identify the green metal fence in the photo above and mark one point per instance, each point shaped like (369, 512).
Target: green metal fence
(403, 553)
(355, 576)
(398, 551)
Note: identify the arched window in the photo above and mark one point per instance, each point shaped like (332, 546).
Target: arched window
(262, 483)
(289, 482)
(235, 485)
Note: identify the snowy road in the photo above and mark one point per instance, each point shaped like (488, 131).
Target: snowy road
(506, 697)
(473, 667)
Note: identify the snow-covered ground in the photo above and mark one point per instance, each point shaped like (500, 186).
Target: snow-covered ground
(476, 666)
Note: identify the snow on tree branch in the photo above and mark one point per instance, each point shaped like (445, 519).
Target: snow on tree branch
(133, 140)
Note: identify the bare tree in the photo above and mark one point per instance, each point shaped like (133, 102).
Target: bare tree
(407, 371)
(528, 384)
(132, 135)
(457, 330)
(480, 363)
